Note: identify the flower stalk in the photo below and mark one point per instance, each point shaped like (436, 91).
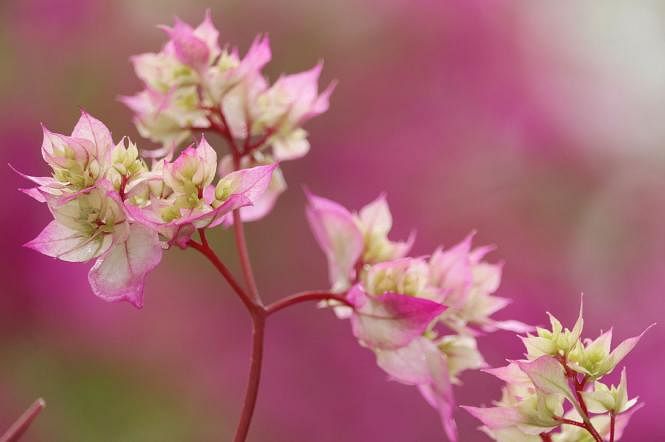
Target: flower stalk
(21, 425)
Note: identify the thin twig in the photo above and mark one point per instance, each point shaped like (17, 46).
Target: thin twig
(612, 425)
(297, 298)
(252, 390)
(206, 251)
(563, 420)
(19, 427)
(243, 254)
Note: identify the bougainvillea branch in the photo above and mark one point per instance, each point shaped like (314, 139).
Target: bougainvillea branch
(558, 387)
(122, 207)
(18, 428)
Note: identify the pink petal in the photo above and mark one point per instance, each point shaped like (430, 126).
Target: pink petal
(303, 88)
(189, 49)
(82, 147)
(90, 128)
(322, 102)
(452, 271)
(508, 325)
(207, 32)
(251, 182)
(548, 376)
(66, 244)
(337, 235)
(422, 364)
(404, 247)
(495, 417)
(622, 350)
(257, 57)
(120, 273)
(34, 193)
(262, 206)
(376, 216)
(510, 374)
(390, 321)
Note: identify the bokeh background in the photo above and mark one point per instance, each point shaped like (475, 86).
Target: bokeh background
(539, 124)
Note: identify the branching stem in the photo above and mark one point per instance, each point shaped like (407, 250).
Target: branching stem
(243, 255)
(206, 251)
(578, 388)
(250, 297)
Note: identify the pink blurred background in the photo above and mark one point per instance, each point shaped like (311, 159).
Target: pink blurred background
(538, 124)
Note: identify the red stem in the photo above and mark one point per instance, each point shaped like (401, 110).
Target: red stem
(305, 297)
(243, 254)
(563, 420)
(241, 243)
(612, 423)
(258, 314)
(579, 388)
(206, 251)
(19, 427)
(545, 437)
(256, 361)
(251, 300)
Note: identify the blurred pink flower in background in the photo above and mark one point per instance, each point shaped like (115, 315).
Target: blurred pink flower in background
(536, 124)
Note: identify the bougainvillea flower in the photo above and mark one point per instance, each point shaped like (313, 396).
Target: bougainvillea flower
(469, 283)
(182, 59)
(537, 389)
(393, 311)
(235, 83)
(192, 171)
(77, 161)
(187, 200)
(193, 47)
(167, 117)
(390, 320)
(351, 240)
(614, 398)
(93, 225)
(191, 83)
(83, 229)
(559, 341)
(286, 105)
(595, 359)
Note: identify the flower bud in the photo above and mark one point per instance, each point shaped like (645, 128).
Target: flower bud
(192, 171)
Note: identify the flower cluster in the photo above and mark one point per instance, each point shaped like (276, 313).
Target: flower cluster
(402, 305)
(193, 84)
(121, 207)
(556, 393)
(109, 206)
